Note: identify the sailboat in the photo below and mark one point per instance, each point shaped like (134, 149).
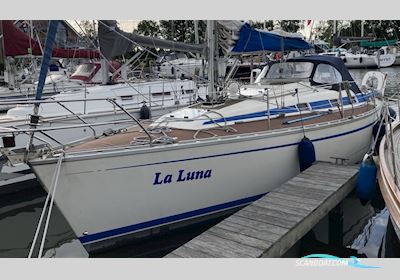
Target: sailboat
(388, 174)
(206, 159)
(20, 46)
(362, 56)
(376, 59)
(74, 116)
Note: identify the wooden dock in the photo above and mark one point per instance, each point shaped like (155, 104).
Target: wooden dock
(273, 224)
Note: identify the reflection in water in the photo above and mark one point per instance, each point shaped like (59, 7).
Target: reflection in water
(392, 242)
(351, 229)
(19, 215)
(362, 234)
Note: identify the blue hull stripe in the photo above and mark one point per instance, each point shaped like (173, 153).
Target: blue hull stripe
(166, 220)
(321, 104)
(233, 153)
(198, 212)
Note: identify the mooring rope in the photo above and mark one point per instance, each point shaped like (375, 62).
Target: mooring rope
(51, 192)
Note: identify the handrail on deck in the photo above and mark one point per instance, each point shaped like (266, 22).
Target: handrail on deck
(133, 118)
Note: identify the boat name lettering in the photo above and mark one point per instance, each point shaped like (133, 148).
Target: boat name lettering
(181, 176)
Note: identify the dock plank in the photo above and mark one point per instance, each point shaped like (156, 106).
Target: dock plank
(283, 202)
(318, 184)
(187, 252)
(252, 213)
(307, 188)
(238, 237)
(283, 197)
(289, 209)
(255, 224)
(301, 193)
(269, 226)
(231, 248)
(245, 229)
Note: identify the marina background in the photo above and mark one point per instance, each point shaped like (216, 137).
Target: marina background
(234, 268)
(62, 237)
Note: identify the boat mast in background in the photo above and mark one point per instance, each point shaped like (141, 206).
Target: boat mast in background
(196, 35)
(211, 59)
(334, 34)
(50, 38)
(362, 28)
(2, 52)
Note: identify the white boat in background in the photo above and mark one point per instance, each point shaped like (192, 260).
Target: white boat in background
(21, 57)
(377, 59)
(93, 105)
(395, 50)
(178, 65)
(87, 113)
(61, 81)
(387, 47)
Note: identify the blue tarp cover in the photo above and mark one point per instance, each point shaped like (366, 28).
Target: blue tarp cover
(253, 40)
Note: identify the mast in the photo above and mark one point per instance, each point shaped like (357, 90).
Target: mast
(2, 51)
(9, 77)
(362, 28)
(211, 59)
(196, 35)
(104, 71)
(311, 29)
(104, 66)
(334, 33)
(334, 27)
(50, 38)
(30, 36)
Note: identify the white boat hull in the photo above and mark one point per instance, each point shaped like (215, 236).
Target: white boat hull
(369, 61)
(397, 61)
(119, 192)
(67, 135)
(53, 115)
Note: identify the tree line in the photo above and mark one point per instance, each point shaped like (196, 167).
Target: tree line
(183, 30)
(376, 29)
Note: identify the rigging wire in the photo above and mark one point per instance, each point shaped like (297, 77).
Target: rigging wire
(110, 65)
(139, 46)
(147, 50)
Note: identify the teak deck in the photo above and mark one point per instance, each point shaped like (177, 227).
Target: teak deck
(273, 224)
(125, 138)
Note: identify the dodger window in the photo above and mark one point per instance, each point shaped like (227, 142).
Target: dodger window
(288, 72)
(327, 74)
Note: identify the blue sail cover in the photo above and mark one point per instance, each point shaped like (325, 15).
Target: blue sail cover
(51, 35)
(253, 40)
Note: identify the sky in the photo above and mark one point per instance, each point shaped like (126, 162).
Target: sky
(126, 25)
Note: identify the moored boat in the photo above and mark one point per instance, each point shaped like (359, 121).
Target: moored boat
(212, 157)
(388, 174)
